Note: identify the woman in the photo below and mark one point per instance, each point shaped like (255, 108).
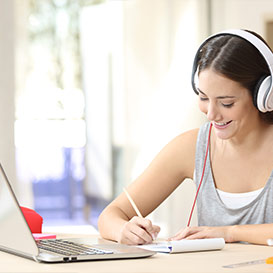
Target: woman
(235, 197)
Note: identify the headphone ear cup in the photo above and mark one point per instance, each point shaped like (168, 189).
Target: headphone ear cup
(261, 94)
(256, 91)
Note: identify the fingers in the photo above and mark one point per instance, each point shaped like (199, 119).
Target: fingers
(147, 225)
(134, 235)
(138, 231)
(156, 230)
(202, 232)
(188, 233)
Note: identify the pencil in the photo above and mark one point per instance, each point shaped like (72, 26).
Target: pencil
(133, 203)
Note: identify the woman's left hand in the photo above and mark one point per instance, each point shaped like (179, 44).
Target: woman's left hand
(203, 232)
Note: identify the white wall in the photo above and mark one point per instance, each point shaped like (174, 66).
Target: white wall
(160, 38)
(246, 14)
(7, 88)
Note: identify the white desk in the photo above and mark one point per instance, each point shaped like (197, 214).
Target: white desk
(210, 262)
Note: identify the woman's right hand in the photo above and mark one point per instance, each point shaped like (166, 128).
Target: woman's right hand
(138, 231)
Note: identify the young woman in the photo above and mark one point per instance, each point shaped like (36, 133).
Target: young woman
(230, 157)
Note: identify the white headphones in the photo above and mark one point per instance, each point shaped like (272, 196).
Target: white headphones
(265, 88)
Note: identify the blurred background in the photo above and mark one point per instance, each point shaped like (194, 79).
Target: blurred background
(91, 90)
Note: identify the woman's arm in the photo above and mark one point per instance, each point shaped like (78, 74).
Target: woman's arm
(170, 167)
(254, 234)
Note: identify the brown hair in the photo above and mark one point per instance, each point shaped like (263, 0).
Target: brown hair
(238, 60)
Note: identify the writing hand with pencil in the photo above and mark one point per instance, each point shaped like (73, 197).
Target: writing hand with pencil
(138, 230)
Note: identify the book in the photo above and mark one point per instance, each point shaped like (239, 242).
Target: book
(186, 245)
(40, 236)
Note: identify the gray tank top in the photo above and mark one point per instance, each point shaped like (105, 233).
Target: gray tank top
(211, 210)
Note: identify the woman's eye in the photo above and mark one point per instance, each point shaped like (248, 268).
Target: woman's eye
(228, 105)
(203, 98)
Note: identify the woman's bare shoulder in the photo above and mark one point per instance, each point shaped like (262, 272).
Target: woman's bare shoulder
(187, 138)
(182, 151)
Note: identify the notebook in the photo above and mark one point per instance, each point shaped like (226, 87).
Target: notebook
(186, 245)
(16, 237)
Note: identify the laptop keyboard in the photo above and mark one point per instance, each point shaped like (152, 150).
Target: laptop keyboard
(68, 248)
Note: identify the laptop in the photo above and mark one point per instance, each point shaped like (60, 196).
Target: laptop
(16, 237)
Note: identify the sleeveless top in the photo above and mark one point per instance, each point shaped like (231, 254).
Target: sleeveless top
(211, 211)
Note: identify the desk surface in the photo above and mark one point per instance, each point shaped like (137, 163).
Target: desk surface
(210, 262)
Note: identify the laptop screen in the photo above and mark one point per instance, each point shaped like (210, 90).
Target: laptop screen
(15, 235)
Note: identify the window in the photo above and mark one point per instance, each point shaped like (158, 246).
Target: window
(69, 95)
(50, 130)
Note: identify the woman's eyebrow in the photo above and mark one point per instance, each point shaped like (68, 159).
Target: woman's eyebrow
(219, 97)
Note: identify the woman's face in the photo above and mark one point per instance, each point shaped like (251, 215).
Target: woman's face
(227, 105)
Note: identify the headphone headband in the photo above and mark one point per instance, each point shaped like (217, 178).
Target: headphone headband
(265, 92)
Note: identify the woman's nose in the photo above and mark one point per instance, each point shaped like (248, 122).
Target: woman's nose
(212, 112)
